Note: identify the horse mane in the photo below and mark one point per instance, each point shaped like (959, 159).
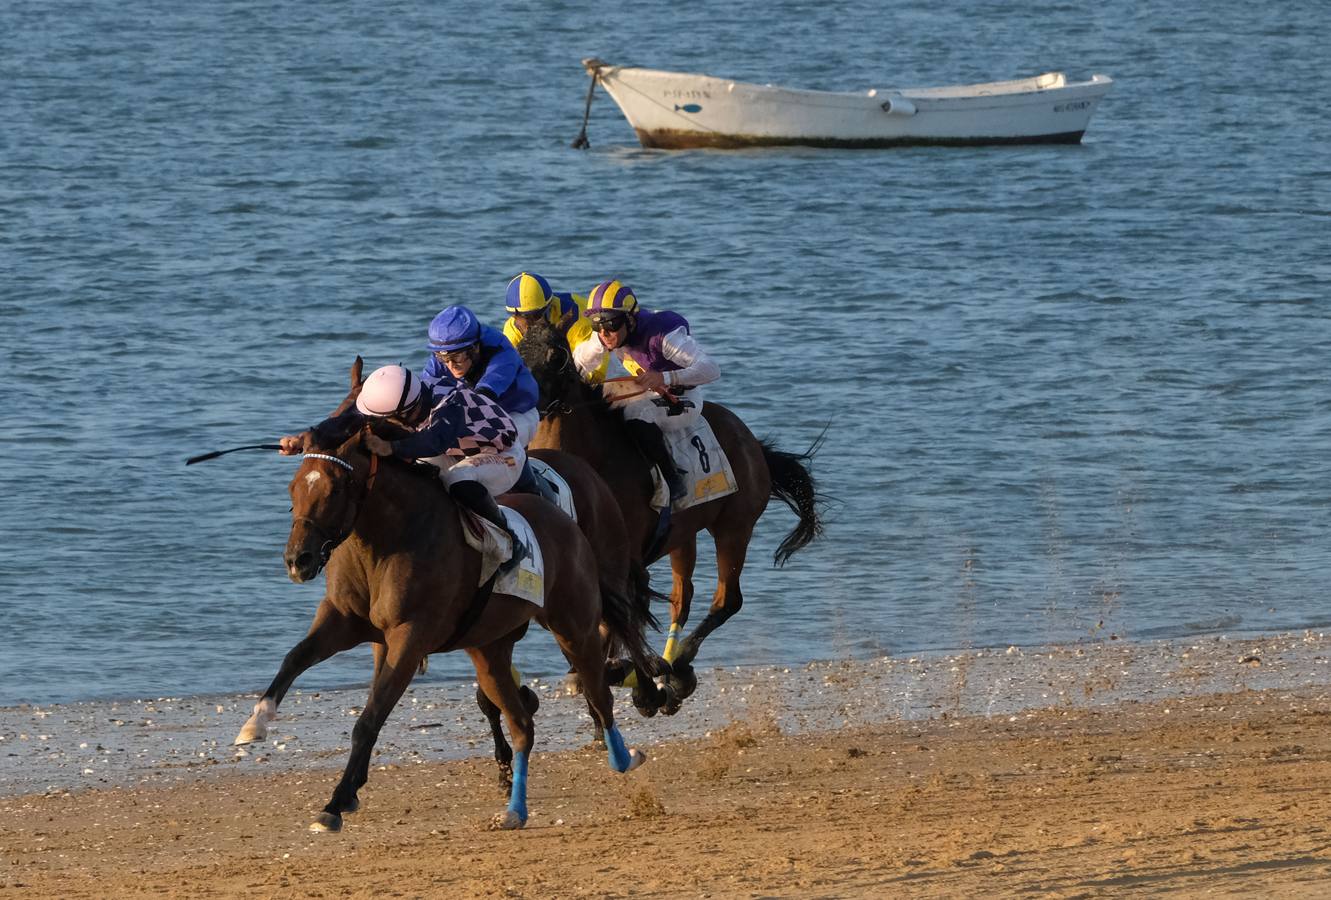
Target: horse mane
(342, 432)
(545, 351)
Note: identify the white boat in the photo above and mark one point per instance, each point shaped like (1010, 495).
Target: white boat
(677, 110)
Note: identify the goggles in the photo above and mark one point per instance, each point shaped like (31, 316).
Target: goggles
(611, 322)
(453, 356)
(530, 315)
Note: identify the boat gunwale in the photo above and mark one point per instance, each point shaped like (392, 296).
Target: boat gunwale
(942, 93)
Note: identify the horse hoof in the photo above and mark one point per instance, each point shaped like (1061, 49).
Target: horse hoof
(327, 823)
(636, 758)
(645, 711)
(572, 685)
(507, 821)
(673, 701)
(249, 734)
(685, 680)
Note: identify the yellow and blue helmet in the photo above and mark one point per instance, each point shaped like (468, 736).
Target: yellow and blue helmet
(528, 293)
(611, 297)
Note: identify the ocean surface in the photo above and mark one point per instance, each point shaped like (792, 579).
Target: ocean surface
(1070, 394)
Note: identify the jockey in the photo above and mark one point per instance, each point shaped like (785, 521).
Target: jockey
(466, 352)
(664, 359)
(529, 298)
(462, 432)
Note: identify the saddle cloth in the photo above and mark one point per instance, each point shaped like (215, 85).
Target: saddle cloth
(527, 581)
(707, 471)
(563, 494)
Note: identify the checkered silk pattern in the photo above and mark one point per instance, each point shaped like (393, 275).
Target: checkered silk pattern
(486, 427)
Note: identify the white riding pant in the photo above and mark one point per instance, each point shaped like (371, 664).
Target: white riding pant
(526, 424)
(652, 407)
(498, 472)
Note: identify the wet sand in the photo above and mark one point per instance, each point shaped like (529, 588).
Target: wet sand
(1195, 766)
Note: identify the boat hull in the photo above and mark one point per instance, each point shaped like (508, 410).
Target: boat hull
(673, 110)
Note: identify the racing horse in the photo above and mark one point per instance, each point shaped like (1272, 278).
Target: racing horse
(600, 519)
(400, 574)
(576, 418)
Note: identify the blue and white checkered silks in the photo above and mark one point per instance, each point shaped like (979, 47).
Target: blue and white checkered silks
(488, 428)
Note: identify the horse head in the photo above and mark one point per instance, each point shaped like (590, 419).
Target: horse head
(546, 353)
(327, 494)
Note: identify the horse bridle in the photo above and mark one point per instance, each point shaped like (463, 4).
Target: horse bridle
(328, 546)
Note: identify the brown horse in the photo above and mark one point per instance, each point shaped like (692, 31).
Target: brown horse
(576, 419)
(401, 575)
(618, 560)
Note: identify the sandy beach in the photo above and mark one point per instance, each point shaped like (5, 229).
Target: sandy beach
(1189, 767)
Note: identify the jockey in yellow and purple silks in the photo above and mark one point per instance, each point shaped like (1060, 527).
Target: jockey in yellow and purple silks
(657, 348)
(659, 351)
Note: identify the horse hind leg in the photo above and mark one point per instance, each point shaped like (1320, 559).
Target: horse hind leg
(731, 549)
(586, 655)
(494, 674)
(503, 752)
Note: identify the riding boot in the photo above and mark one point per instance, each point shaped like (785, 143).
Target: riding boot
(474, 496)
(651, 443)
(531, 483)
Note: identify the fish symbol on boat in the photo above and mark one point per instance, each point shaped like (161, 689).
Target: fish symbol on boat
(688, 108)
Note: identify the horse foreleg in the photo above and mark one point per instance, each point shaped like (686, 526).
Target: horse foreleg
(494, 665)
(331, 632)
(404, 650)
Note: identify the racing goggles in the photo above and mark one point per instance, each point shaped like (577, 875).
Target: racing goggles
(453, 356)
(608, 321)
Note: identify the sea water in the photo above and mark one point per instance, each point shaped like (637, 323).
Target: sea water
(1067, 394)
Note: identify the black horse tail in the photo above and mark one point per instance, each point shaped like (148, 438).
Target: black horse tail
(628, 618)
(792, 484)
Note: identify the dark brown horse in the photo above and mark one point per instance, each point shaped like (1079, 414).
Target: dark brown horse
(576, 419)
(401, 575)
(619, 562)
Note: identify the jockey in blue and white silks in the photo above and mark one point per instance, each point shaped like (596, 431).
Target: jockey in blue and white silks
(660, 352)
(465, 351)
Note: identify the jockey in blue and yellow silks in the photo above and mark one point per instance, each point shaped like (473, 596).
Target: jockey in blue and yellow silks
(529, 299)
(663, 357)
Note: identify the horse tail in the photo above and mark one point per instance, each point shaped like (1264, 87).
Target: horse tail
(628, 617)
(793, 485)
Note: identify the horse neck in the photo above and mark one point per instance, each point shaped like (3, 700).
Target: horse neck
(397, 507)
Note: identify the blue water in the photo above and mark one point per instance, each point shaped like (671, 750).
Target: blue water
(1074, 393)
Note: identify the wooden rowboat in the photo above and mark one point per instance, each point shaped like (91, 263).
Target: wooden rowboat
(677, 110)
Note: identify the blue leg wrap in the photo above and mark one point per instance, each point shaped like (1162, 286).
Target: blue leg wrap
(619, 754)
(517, 799)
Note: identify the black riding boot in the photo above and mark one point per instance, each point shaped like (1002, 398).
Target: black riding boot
(474, 496)
(651, 443)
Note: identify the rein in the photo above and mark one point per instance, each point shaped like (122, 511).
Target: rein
(328, 546)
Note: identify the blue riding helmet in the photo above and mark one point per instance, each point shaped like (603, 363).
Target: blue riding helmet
(454, 328)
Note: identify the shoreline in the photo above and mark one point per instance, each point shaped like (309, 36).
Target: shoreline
(1191, 768)
(102, 744)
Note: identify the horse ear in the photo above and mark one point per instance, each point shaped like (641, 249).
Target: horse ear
(356, 369)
